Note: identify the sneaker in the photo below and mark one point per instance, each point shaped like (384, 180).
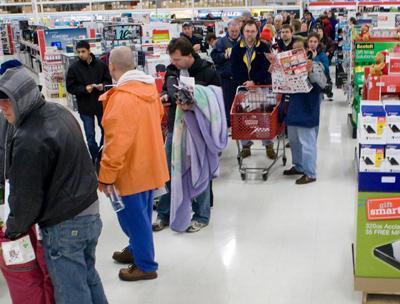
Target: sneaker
(271, 154)
(195, 226)
(246, 151)
(305, 180)
(159, 225)
(292, 171)
(132, 273)
(123, 257)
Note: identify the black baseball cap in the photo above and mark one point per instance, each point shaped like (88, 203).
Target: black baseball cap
(187, 24)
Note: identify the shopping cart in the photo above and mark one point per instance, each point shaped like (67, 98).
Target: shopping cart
(255, 116)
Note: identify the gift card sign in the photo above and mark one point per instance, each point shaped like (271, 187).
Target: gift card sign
(18, 252)
(383, 209)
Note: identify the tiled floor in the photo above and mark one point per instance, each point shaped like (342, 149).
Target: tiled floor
(268, 242)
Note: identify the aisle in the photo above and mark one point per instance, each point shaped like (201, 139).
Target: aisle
(268, 242)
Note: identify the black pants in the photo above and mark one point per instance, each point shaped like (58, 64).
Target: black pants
(228, 88)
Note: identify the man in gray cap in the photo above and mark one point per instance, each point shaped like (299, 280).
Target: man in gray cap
(53, 184)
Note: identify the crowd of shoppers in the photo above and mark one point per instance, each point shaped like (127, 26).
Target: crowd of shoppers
(61, 196)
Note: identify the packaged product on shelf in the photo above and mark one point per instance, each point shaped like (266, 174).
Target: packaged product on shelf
(372, 158)
(393, 124)
(372, 124)
(392, 158)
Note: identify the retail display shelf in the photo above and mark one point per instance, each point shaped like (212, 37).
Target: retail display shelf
(30, 44)
(65, 2)
(16, 4)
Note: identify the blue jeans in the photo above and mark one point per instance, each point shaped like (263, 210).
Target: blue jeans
(135, 221)
(90, 133)
(303, 144)
(70, 254)
(201, 204)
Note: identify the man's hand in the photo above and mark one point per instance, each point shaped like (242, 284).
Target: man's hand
(164, 98)
(106, 189)
(89, 88)
(184, 106)
(197, 48)
(100, 87)
(309, 65)
(228, 53)
(269, 56)
(249, 84)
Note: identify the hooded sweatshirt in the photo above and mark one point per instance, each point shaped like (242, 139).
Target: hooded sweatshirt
(133, 157)
(50, 172)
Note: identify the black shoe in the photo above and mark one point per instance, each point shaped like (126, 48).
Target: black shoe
(292, 171)
(246, 151)
(305, 180)
(159, 225)
(123, 257)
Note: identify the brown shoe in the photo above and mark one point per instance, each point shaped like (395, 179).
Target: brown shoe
(271, 154)
(123, 256)
(246, 151)
(132, 273)
(305, 180)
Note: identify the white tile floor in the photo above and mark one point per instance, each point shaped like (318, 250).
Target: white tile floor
(268, 242)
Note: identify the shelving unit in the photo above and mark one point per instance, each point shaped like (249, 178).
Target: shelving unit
(6, 37)
(37, 8)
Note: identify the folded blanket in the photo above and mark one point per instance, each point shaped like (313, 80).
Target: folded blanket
(199, 136)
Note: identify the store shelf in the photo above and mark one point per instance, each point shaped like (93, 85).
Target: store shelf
(64, 2)
(16, 4)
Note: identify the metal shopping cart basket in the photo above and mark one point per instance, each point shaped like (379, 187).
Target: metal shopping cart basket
(255, 116)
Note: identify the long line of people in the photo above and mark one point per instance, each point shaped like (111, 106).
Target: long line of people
(59, 190)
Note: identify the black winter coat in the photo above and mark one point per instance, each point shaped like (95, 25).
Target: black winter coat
(203, 74)
(81, 74)
(259, 65)
(58, 180)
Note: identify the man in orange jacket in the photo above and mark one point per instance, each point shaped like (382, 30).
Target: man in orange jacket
(133, 159)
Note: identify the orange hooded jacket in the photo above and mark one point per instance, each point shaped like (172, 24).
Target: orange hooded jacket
(133, 156)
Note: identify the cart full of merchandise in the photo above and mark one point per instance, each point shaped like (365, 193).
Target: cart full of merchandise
(255, 116)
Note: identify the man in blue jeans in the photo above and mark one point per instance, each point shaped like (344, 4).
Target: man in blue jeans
(86, 79)
(53, 184)
(184, 62)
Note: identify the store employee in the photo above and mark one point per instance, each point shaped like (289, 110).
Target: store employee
(86, 79)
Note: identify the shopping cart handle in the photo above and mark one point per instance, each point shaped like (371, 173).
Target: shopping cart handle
(241, 88)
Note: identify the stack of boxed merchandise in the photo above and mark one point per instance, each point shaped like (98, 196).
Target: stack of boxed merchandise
(377, 252)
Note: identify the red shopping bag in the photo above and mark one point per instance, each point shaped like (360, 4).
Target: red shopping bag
(28, 283)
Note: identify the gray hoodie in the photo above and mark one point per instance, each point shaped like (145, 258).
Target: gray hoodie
(22, 91)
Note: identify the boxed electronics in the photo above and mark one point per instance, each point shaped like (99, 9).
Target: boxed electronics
(392, 124)
(392, 158)
(372, 123)
(372, 158)
(377, 252)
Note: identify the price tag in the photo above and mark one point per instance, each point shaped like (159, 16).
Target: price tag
(18, 252)
(391, 89)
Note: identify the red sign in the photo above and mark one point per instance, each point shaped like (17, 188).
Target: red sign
(394, 65)
(383, 209)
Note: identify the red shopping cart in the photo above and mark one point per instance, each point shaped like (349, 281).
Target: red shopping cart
(255, 116)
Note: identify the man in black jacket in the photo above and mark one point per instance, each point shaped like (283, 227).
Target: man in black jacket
(53, 184)
(184, 62)
(86, 79)
(286, 42)
(187, 32)
(250, 67)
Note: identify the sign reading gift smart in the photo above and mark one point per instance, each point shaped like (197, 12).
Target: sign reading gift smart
(378, 235)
